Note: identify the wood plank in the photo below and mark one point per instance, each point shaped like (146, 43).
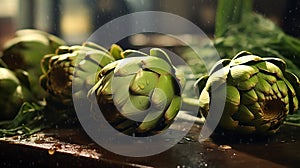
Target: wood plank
(71, 147)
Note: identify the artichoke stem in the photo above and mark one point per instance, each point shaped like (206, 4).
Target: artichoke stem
(291, 124)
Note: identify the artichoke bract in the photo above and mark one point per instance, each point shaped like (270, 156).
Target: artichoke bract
(58, 70)
(26, 49)
(14, 90)
(259, 93)
(139, 95)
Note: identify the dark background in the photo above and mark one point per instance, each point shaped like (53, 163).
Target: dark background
(51, 16)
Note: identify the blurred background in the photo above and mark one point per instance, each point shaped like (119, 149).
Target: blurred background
(75, 20)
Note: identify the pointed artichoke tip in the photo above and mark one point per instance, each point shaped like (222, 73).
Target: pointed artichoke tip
(243, 53)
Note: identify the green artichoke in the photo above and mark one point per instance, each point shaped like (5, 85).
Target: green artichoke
(139, 95)
(25, 51)
(58, 70)
(259, 93)
(14, 90)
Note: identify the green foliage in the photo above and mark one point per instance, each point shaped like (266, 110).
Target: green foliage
(239, 28)
(30, 119)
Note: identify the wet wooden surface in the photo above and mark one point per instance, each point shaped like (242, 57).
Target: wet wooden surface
(73, 148)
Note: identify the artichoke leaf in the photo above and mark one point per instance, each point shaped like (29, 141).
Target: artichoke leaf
(150, 121)
(157, 65)
(134, 108)
(118, 83)
(98, 58)
(95, 46)
(217, 79)
(204, 102)
(227, 122)
(248, 84)
(264, 87)
(219, 65)
(270, 68)
(243, 115)
(128, 67)
(255, 109)
(245, 60)
(126, 125)
(201, 83)
(242, 72)
(116, 51)
(144, 82)
(241, 54)
(294, 80)
(249, 97)
(232, 95)
(282, 88)
(157, 52)
(132, 53)
(163, 92)
(173, 109)
(269, 78)
(280, 63)
(276, 90)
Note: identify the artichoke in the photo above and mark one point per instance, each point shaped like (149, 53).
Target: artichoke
(58, 70)
(139, 95)
(25, 51)
(14, 90)
(259, 93)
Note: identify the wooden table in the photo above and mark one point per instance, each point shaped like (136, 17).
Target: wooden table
(71, 147)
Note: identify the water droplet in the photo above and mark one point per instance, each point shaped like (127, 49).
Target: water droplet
(200, 153)
(51, 151)
(203, 164)
(181, 142)
(233, 155)
(185, 140)
(224, 147)
(188, 139)
(210, 149)
(141, 86)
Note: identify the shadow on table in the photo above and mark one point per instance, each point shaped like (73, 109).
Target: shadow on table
(282, 148)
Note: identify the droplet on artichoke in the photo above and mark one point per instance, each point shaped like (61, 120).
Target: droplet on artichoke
(259, 94)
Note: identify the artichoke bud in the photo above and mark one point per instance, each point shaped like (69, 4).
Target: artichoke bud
(140, 94)
(59, 74)
(26, 49)
(259, 93)
(13, 93)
